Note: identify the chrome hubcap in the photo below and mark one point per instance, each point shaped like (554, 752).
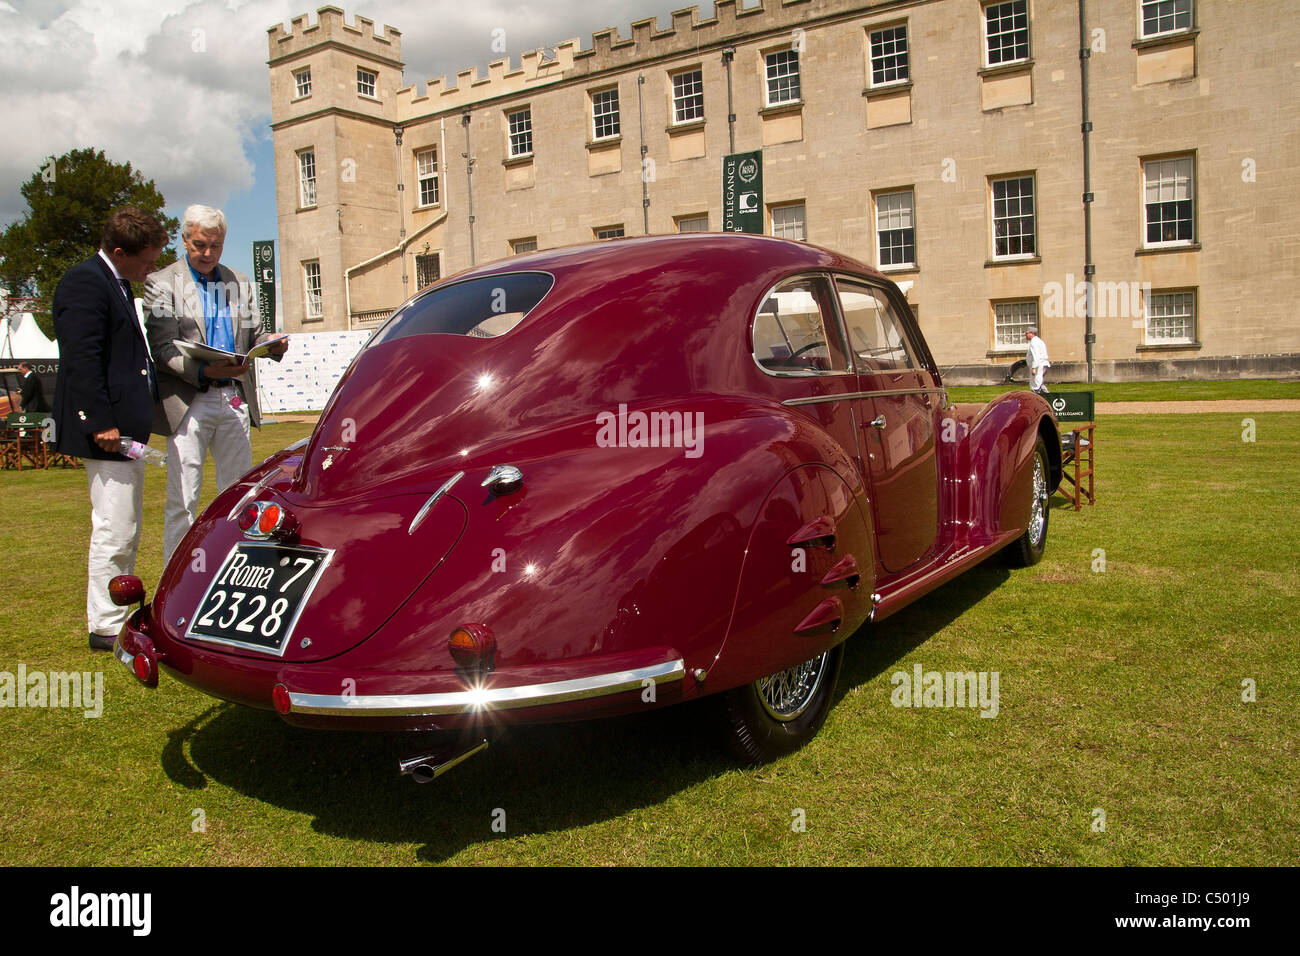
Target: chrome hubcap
(787, 695)
(1038, 507)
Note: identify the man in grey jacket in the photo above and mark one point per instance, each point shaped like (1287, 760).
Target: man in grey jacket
(208, 406)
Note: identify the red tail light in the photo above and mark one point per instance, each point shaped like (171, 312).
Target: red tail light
(270, 520)
(264, 519)
(248, 517)
(280, 697)
(144, 658)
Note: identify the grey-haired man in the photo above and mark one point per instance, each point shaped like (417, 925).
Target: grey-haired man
(208, 406)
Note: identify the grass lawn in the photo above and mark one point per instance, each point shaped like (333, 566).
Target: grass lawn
(1146, 391)
(1120, 693)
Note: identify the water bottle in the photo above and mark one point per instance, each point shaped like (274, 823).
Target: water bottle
(139, 451)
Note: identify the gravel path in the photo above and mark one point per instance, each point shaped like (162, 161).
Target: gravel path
(1193, 408)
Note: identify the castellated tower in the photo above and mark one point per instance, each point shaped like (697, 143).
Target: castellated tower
(333, 118)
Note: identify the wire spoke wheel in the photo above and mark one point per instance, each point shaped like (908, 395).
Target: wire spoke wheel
(787, 694)
(1029, 547)
(1038, 507)
(777, 714)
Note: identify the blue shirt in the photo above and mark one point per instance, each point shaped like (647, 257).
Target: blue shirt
(216, 309)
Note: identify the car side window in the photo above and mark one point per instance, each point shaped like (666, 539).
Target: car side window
(874, 328)
(794, 330)
(480, 308)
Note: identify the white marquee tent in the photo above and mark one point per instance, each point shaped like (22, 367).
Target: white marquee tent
(21, 338)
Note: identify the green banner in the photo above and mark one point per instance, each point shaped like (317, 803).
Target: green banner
(742, 192)
(1071, 406)
(264, 267)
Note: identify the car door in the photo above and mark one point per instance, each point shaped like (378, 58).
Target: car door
(895, 416)
(808, 570)
(797, 343)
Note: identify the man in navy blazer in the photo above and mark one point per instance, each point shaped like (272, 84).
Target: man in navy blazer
(105, 392)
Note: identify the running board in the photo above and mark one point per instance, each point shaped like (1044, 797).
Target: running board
(895, 596)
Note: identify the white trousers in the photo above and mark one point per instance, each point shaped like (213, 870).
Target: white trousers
(116, 506)
(211, 424)
(1036, 378)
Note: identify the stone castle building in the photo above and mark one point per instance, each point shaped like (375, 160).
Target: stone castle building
(939, 140)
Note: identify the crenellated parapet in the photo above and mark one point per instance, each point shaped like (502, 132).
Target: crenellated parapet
(609, 50)
(331, 26)
(536, 68)
(689, 31)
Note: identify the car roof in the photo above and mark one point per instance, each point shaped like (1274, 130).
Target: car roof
(646, 316)
(737, 256)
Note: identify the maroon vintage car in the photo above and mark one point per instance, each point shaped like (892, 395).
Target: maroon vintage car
(598, 479)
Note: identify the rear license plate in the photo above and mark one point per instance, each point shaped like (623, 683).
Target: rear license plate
(255, 599)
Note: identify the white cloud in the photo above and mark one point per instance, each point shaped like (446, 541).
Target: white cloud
(179, 88)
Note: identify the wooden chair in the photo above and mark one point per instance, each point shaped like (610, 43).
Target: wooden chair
(1078, 462)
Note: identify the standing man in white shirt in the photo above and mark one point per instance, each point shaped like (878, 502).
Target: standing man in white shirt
(208, 406)
(1036, 359)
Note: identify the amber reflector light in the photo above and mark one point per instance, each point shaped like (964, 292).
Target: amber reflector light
(472, 645)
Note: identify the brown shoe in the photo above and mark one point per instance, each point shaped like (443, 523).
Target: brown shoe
(102, 642)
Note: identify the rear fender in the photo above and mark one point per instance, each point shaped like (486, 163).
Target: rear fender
(808, 576)
(656, 538)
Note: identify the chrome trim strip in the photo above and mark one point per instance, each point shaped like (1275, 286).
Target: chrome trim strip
(127, 659)
(294, 446)
(884, 393)
(424, 510)
(253, 492)
(490, 698)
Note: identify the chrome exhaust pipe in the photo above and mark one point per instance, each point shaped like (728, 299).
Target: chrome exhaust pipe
(426, 767)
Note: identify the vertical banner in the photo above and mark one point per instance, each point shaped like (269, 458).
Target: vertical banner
(742, 192)
(264, 266)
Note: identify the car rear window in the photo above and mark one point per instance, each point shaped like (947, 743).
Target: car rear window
(480, 308)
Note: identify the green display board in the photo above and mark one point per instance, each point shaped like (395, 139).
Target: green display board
(1071, 406)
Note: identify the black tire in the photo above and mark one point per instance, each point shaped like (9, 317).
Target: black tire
(752, 729)
(1029, 547)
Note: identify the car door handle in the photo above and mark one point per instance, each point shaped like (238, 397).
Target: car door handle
(828, 612)
(818, 533)
(878, 421)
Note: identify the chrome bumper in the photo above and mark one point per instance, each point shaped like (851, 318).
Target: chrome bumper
(486, 698)
(128, 660)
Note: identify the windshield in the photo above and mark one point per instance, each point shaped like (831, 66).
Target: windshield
(481, 308)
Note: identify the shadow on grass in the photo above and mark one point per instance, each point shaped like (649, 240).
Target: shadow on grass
(545, 778)
(877, 647)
